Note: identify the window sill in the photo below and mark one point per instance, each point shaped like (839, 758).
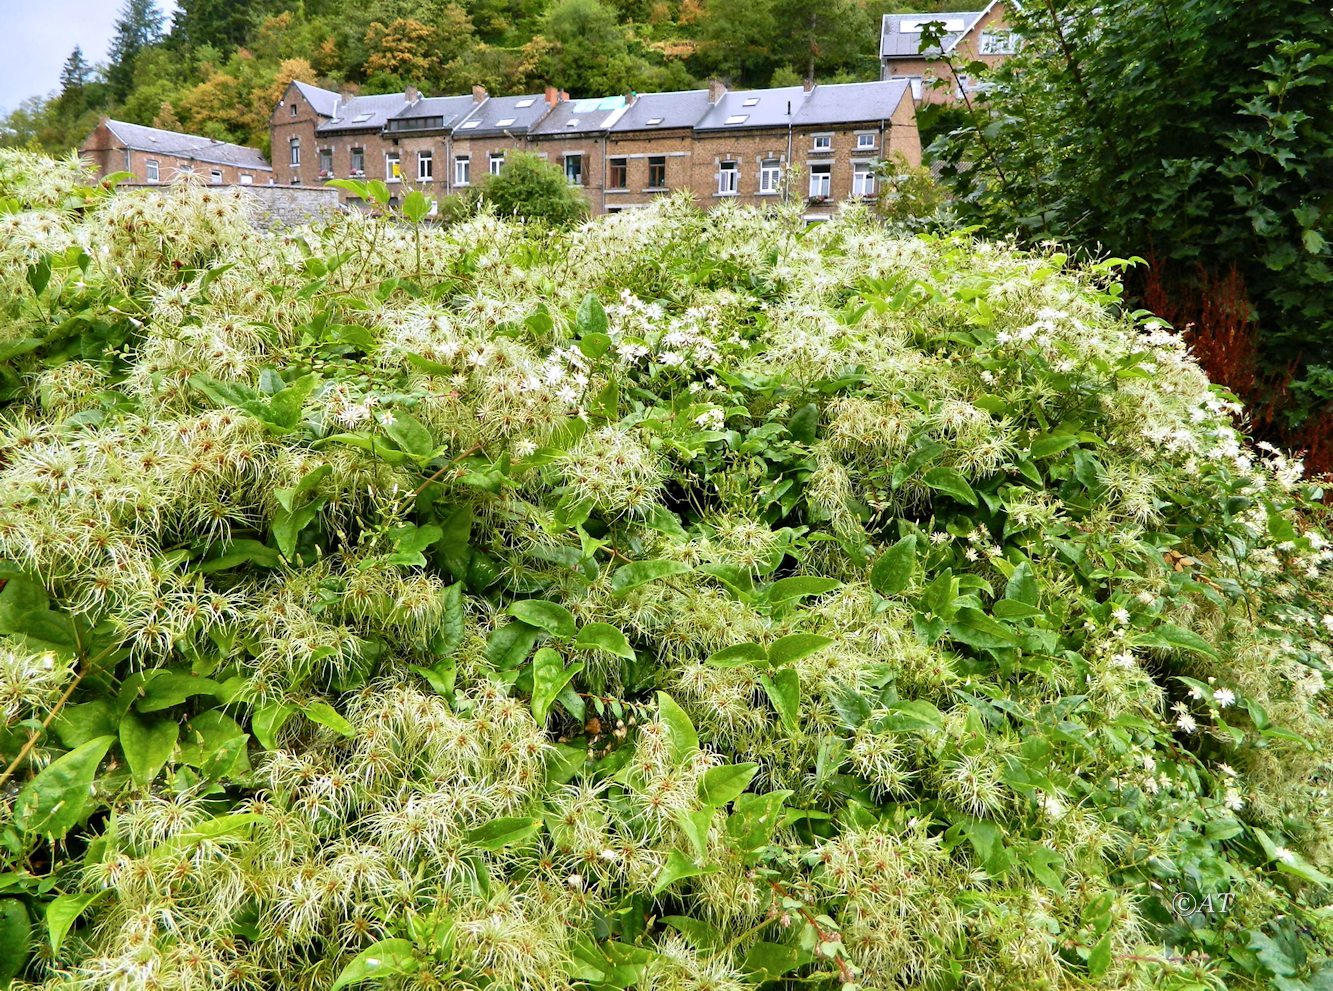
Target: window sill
(655, 189)
(616, 189)
(424, 179)
(726, 196)
(767, 192)
(821, 151)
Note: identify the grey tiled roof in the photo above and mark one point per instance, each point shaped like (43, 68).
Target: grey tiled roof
(363, 113)
(448, 110)
(324, 101)
(681, 109)
(580, 116)
(521, 112)
(766, 108)
(846, 103)
(141, 138)
(896, 43)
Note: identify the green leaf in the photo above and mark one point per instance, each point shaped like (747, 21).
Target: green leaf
(1048, 444)
(804, 424)
(590, 318)
(892, 572)
(62, 912)
(549, 678)
(39, 275)
(769, 961)
(1099, 959)
(974, 628)
(641, 572)
(147, 744)
(951, 483)
(327, 715)
(15, 931)
(238, 552)
(784, 691)
(1168, 635)
(409, 434)
(721, 785)
(684, 739)
(411, 542)
(500, 833)
(604, 636)
(508, 647)
(168, 688)
(738, 655)
(1022, 586)
(266, 722)
(677, 867)
(416, 206)
(795, 647)
(554, 619)
(387, 958)
(800, 586)
(53, 802)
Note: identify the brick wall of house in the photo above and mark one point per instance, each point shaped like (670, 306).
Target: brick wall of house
(675, 147)
(592, 148)
(283, 127)
(108, 154)
(747, 149)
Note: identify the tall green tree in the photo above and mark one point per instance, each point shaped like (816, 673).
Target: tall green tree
(221, 23)
(74, 76)
(138, 26)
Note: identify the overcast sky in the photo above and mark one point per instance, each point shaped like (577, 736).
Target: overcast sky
(36, 36)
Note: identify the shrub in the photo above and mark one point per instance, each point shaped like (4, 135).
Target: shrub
(528, 187)
(683, 601)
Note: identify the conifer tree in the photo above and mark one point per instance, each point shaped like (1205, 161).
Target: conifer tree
(138, 26)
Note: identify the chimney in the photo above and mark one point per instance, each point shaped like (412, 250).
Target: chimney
(479, 94)
(631, 97)
(808, 84)
(552, 96)
(411, 94)
(716, 90)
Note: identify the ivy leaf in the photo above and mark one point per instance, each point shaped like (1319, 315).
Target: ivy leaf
(795, 646)
(500, 833)
(951, 483)
(53, 802)
(721, 785)
(549, 678)
(554, 619)
(62, 912)
(892, 572)
(641, 572)
(684, 738)
(784, 691)
(604, 636)
(387, 958)
(147, 744)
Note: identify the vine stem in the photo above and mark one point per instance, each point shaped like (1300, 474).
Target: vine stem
(435, 477)
(27, 748)
(844, 968)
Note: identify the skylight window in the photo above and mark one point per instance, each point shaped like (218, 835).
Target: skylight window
(573, 122)
(654, 120)
(467, 124)
(738, 118)
(913, 25)
(521, 104)
(361, 118)
(504, 122)
(751, 102)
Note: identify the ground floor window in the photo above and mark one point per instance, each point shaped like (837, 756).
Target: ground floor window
(150, 170)
(657, 178)
(770, 175)
(497, 162)
(326, 161)
(425, 166)
(617, 173)
(728, 177)
(393, 170)
(462, 170)
(358, 161)
(574, 169)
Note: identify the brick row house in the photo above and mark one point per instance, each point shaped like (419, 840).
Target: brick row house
(622, 151)
(152, 155)
(967, 36)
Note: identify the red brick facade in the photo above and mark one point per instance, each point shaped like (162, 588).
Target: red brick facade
(153, 156)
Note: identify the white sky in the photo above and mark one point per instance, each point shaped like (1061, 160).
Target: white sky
(36, 36)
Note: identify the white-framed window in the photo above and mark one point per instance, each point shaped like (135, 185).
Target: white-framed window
(292, 111)
(496, 162)
(247, 179)
(325, 161)
(821, 142)
(770, 175)
(998, 42)
(462, 170)
(863, 179)
(821, 181)
(358, 161)
(393, 167)
(150, 170)
(867, 141)
(425, 166)
(574, 169)
(294, 146)
(728, 176)
(215, 177)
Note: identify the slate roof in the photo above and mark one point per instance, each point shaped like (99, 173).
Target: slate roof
(753, 108)
(895, 42)
(324, 101)
(363, 113)
(580, 116)
(446, 110)
(201, 149)
(846, 103)
(684, 108)
(520, 111)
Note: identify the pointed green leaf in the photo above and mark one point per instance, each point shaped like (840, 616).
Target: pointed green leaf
(795, 647)
(327, 715)
(554, 619)
(784, 691)
(951, 483)
(62, 912)
(893, 570)
(684, 739)
(641, 572)
(549, 678)
(147, 744)
(53, 802)
(604, 636)
(500, 833)
(387, 958)
(721, 785)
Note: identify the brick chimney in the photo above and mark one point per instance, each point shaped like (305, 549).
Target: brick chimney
(716, 90)
(808, 84)
(411, 94)
(552, 96)
(479, 94)
(631, 97)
